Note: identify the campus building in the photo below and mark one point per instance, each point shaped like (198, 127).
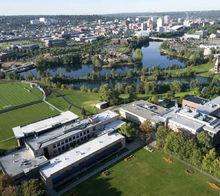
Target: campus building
(196, 118)
(43, 126)
(21, 164)
(63, 138)
(51, 137)
(140, 111)
(65, 167)
(193, 102)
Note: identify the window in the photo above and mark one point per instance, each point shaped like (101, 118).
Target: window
(87, 131)
(58, 144)
(66, 141)
(54, 146)
(74, 137)
(62, 143)
(81, 134)
(70, 139)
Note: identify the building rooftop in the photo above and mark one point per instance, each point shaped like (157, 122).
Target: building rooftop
(64, 160)
(40, 126)
(21, 162)
(210, 106)
(145, 109)
(198, 100)
(193, 120)
(66, 131)
(184, 122)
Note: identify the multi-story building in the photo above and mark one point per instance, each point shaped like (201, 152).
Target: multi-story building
(52, 137)
(71, 164)
(68, 136)
(193, 102)
(140, 111)
(55, 42)
(217, 65)
(38, 128)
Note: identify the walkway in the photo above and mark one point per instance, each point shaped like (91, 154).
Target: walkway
(44, 95)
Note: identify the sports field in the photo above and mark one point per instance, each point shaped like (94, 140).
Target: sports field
(145, 175)
(14, 94)
(22, 116)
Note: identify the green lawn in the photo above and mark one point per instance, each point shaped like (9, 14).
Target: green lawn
(14, 94)
(78, 98)
(199, 69)
(147, 174)
(22, 116)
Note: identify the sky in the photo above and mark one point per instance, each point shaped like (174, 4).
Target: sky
(73, 7)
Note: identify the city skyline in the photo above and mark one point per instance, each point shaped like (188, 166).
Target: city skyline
(72, 7)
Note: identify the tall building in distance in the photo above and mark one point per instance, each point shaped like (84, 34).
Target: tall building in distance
(160, 24)
(217, 65)
(166, 19)
(143, 26)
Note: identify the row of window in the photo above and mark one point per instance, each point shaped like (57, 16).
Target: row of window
(66, 147)
(69, 140)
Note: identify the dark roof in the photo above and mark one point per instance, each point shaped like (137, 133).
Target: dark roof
(198, 100)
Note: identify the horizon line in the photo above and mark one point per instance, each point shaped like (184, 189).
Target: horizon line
(113, 13)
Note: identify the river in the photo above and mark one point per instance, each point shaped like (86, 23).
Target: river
(151, 57)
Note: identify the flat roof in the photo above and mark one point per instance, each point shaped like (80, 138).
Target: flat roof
(195, 99)
(184, 122)
(145, 109)
(21, 161)
(69, 158)
(194, 120)
(66, 131)
(210, 106)
(37, 127)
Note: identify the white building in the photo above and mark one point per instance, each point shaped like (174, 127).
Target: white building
(166, 20)
(160, 22)
(74, 162)
(37, 128)
(140, 111)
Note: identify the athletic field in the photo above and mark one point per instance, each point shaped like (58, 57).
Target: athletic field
(15, 94)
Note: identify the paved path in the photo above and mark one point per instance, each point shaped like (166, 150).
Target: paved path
(132, 147)
(5, 140)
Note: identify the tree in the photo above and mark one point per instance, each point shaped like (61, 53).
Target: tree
(146, 129)
(204, 141)
(33, 188)
(196, 157)
(176, 86)
(154, 99)
(106, 93)
(5, 181)
(138, 55)
(175, 144)
(96, 61)
(161, 135)
(11, 191)
(207, 162)
(127, 130)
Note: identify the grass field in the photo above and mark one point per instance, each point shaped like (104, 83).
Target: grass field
(78, 98)
(147, 174)
(14, 94)
(199, 69)
(21, 116)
